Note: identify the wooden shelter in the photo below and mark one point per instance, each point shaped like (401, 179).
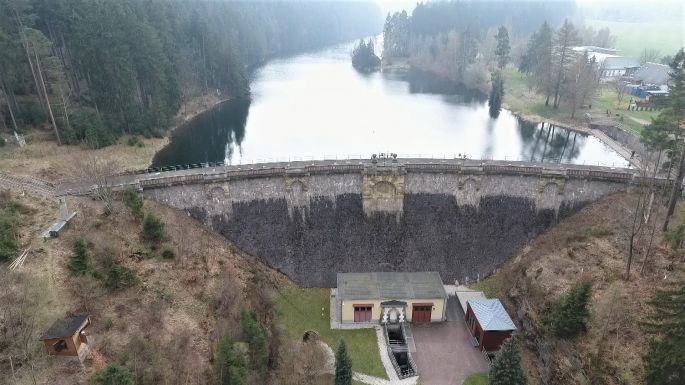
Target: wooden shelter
(489, 323)
(67, 337)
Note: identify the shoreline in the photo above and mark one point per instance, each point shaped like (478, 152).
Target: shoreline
(186, 114)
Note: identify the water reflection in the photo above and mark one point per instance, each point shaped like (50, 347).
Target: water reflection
(316, 105)
(211, 137)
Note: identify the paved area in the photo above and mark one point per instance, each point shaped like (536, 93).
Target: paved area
(443, 354)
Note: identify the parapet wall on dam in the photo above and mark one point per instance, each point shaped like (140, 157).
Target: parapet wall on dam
(312, 220)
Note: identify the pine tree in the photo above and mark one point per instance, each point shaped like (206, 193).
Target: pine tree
(503, 47)
(569, 313)
(343, 366)
(496, 95)
(78, 263)
(230, 364)
(675, 112)
(153, 228)
(257, 341)
(112, 374)
(665, 355)
(506, 368)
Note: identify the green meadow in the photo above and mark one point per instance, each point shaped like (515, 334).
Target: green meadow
(633, 37)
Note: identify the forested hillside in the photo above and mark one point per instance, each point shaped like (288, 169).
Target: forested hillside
(457, 39)
(92, 70)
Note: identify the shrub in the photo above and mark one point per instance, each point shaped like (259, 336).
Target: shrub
(31, 113)
(569, 313)
(168, 254)
(9, 228)
(118, 276)
(134, 201)
(133, 141)
(153, 228)
(112, 374)
(675, 237)
(230, 363)
(78, 262)
(89, 127)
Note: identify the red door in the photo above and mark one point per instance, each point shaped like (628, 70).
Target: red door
(362, 313)
(421, 313)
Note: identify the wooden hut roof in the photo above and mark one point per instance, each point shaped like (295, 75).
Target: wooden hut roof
(65, 327)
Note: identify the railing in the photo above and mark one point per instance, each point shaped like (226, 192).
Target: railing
(399, 346)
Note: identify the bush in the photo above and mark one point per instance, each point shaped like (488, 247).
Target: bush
(9, 228)
(230, 364)
(31, 113)
(168, 254)
(675, 237)
(133, 141)
(134, 201)
(153, 228)
(118, 276)
(78, 262)
(88, 127)
(112, 374)
(569, 313)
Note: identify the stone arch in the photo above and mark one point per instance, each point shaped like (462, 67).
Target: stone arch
(469, 183)
(468, 191)
(383, 189)
(550, 194)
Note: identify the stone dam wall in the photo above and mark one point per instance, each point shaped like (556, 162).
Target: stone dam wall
(313, 220)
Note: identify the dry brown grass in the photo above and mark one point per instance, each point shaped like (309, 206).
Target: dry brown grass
(566, 254)
(43, 158)
(172, 309)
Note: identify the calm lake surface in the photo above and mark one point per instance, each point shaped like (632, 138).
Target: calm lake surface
(316, 106)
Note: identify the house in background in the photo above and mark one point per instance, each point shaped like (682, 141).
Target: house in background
(653, 75)
(489, 323)
(386, 297)
(611, 66)
(67, 338)
(616, 67)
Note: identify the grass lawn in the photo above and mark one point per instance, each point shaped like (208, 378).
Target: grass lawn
(477, 379)
(489, 286)
(299, 310)
(520, 98)
(666, 36)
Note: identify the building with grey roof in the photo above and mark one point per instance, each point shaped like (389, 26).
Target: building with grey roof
(390, 297)
(653, 74)
(489, 323)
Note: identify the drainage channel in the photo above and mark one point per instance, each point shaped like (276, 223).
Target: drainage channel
(399, 349)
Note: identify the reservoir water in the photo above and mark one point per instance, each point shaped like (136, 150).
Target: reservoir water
(316, 106)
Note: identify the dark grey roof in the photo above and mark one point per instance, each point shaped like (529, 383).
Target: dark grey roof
(619, 63)
(66, 327)
(390, 286)
(491, 315)
(653, 73)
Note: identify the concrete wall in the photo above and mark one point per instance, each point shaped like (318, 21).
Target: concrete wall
(462, 219)
(347, 308)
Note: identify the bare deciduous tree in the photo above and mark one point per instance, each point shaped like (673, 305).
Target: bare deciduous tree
(98, 172)
(18, 315)
(620, 88)
(649, 55)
